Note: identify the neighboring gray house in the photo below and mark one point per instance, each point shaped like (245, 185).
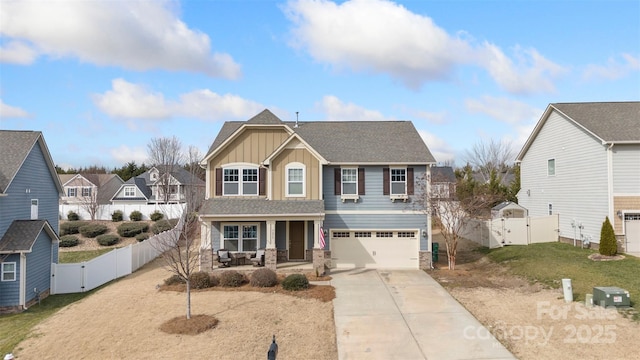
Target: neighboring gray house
(287, 187)
(148, 187)
(582, 161)
(29, 194)
(443, 182)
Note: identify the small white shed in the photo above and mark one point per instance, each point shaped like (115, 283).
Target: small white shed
(508, 209)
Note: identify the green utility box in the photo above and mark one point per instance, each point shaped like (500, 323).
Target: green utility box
(434, 252)
(611, 296)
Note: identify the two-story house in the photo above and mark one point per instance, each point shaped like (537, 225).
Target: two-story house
(160, 185)
(582, 162)
(348, 192)
(29, 194)
(82, 188)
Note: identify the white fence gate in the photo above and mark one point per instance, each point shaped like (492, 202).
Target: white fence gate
(171, 211)
(511, 231)
(88, 275)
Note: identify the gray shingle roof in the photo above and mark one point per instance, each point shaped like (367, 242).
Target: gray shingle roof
(14, 148)
(356, 142)
(240, 207)
(441, 174)
(610, 121)
(22, 234)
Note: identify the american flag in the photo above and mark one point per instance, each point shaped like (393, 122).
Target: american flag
(322, 243)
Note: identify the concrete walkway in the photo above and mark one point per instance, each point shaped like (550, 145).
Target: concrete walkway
(405, 314)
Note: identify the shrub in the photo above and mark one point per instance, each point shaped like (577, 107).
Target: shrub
(608, 243)
(214, 280)
(71, 227)
(135, 215)
(264, 278)
(161, 226)
(156, 215)
(200, 280)
(117, 216)
(68, 241)
(92, 230)
(132, 229)
(142, 237)
(295, 282)
(173, 280)
(231, 278)
(73, 216)
(107, 239)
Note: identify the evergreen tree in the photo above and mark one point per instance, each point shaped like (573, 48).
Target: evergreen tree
(608, 244)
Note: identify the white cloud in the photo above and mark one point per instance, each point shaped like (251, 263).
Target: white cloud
(336, 109)
(8, 111)
(439, 148)
(504, 109)
(16, 52)
(614, 69)
(383, 37)
(432, 117)
(141, 35)
(124, 154)
(135, 101)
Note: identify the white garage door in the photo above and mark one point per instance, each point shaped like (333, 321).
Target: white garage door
(390, 249)
(632, 232)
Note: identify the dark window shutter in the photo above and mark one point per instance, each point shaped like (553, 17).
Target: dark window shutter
(262, 181)
(360, 181)
(338, 181)
(218, 181)
(409, 181)
(385, 181)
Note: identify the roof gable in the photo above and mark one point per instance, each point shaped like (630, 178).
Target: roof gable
(22, 234)
(290, 141)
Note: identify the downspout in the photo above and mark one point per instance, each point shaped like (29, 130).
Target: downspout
(610, 182)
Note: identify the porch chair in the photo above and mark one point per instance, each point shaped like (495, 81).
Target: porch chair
(258, 259)
(223, 258)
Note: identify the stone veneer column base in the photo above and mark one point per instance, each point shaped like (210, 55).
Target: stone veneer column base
(319, 263)
(425, 260)
(206, 260)
(271, 258)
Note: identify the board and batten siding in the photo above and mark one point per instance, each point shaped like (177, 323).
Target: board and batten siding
(32, 181)
(279, 174)
(579, 189)
(253, 146)
(39, 266)
(10, 290)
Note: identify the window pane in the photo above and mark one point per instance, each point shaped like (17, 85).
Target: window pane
(295, 175)
(349, 175)
(250, 231)
(250, 175)
(398, 175)
(230, 231)
(551, 167)
(231, 245)
(295, 188)
(250, 188)
(249, 244)
(348, 188)
(231, 188)
(397, 188)
(230, 174)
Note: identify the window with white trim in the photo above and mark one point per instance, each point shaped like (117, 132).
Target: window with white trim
(86, 191)
(241, 238)
(349, 181)
(129, 191)
(240, 181)
(398, 181)
(406, 234)
(340, 234)
(384, 234)
(295, 173)
(551, 167)
(8, 271)
(550, 209)
(72, 192)
(362, 234)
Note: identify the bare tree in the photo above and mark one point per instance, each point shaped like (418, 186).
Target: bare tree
(179, 248)
(451, 212)
(166, 155)
(89, 202)
(493, 158)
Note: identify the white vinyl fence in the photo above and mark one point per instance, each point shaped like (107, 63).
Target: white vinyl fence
(171, 211)
(86, 276)
(512, 231)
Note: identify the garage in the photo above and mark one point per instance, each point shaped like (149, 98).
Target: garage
(377, 249)
(632, 232)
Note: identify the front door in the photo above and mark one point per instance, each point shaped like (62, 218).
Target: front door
(296, 240)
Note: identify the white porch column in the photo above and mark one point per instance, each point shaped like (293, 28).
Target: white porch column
(271, 234)
(205, 235)
(316, 234)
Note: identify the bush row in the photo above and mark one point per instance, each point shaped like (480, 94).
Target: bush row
(118, 216)
(132, 229)
(260, 278)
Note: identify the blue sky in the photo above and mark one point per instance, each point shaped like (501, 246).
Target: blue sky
(102, 78)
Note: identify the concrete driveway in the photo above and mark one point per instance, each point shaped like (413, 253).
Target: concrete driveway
(405, 314)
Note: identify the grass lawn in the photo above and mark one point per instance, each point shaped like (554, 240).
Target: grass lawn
(15, 327)
(80, 256)
(550, 263)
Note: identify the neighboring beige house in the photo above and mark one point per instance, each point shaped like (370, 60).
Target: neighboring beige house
(81, 188)
(582, 162)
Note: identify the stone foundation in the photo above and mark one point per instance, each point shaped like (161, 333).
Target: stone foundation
(283, 255)
(425, 260)
(319, 263)
(270, 258)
